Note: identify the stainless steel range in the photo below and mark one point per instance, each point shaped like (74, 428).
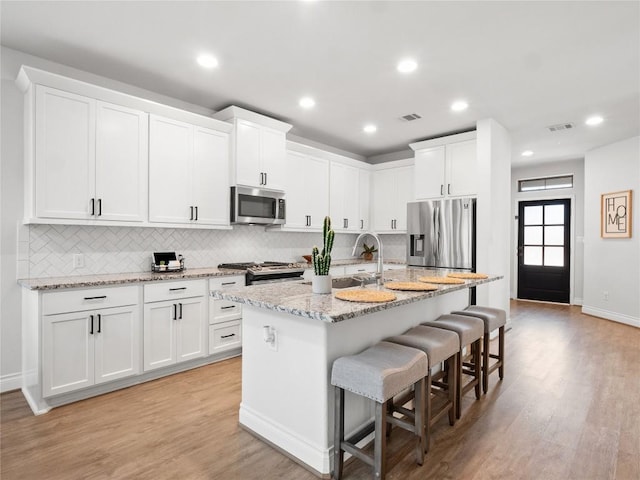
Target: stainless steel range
(267, 272)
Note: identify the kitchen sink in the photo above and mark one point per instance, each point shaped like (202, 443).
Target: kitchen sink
(347, 282)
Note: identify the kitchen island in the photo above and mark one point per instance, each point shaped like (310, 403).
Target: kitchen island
(291, 338)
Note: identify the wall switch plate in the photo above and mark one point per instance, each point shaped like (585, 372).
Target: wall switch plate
(78, 260)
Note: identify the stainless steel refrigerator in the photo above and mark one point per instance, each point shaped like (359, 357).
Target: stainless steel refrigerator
(441, 233)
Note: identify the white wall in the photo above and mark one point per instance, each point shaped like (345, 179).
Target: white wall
(576, 194)
(612, 265)
(493, 210)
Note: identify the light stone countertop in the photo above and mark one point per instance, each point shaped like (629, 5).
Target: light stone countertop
(296, 298)
(98, 280)
(78, 281)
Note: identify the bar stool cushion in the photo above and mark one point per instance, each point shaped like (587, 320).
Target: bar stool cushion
(437, 343)
(493, 317)
(469, 329)
(381, 371)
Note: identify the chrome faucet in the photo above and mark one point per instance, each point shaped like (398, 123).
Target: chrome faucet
(380, 267)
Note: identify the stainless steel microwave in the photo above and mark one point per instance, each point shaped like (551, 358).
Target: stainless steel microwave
(257, 206)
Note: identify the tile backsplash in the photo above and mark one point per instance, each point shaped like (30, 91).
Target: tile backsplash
(128, 249)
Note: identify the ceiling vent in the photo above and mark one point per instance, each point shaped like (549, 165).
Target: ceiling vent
(560, 126)
(411, 117)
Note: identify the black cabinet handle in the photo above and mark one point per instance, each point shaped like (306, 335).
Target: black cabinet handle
(93, 206)
(227, 307)
(228, 283)
(175, 311)
(177, 288)
(448, 189)
(95, 298)
(227, 336)
(191, 216)
(441, 189)
(265, 178)
(99, 206)
(99, 323)
(196, 214)
(262, 178)
(91, 327)
(361, 224)
(180, 311)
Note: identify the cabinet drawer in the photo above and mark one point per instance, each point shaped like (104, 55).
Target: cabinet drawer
(225, 336)
(220, 283)
(155, 292)
(223, 310)
(89, 299)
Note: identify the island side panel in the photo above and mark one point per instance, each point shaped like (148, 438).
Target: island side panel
(287, 397)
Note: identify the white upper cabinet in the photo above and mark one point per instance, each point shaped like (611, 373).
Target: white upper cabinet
(307, 190)
(87, 157)
(446, 166)
(392, 188)
(258, 148)
(90, 158)
(364, 187)
(188, 173)
(344, 201)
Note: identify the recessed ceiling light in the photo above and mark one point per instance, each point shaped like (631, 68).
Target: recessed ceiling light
(207, 61)
(527, 153)
(594, 120)
(459, 106)
(370, 128)
(307, 102)
(407, 65)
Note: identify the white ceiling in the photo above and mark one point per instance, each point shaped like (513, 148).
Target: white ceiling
(525, 64)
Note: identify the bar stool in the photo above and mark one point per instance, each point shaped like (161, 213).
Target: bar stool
(379, 373)
(493, 318)
(441, 346)
(469, 331)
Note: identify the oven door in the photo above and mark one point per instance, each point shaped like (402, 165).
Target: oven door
(257, 206)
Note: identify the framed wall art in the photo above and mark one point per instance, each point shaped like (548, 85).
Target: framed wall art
(615, 215)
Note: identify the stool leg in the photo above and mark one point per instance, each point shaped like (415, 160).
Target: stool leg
(458, 388)
(427, 412)
(380, 442)
(452, 387)
(338, 433)
(477, 367)
(501, 352)
(419, 421)
(485, 362)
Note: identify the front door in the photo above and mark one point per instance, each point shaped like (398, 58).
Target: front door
(544, 250)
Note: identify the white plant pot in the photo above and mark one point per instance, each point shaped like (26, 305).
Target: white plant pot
(321, 284)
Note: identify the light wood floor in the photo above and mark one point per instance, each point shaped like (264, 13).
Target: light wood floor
(568, 408)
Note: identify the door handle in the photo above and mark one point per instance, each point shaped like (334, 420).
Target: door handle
(191, 216)
(196, 219)
(99, 206)
(91, 324)
(93, 206)
(361, 224)
(175, 311)
(99, 323)
(265, 178)
(448, 189)
(180, 311)
(441, 189)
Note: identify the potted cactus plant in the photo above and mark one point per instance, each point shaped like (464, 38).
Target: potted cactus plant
(321, 281)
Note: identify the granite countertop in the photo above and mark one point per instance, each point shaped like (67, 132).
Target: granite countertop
(78, 281)
(296, 298)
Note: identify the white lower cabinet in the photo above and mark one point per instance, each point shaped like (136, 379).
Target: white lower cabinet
(225, 317)
(174, 327)
(85, 348)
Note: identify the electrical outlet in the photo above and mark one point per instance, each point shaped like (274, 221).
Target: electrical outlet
(78, 260)
(273, 345)
(605, 296)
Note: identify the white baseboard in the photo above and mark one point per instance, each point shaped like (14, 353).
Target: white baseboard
(315, 458)
(614, 316)
(12, 381)
(577, 301)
